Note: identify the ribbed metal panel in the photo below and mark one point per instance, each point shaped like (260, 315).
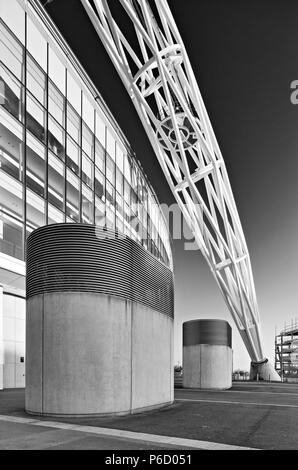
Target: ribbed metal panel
(83, 258)
(210, 332)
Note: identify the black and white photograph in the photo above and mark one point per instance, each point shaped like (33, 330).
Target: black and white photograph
(149, 228)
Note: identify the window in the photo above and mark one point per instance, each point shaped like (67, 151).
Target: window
(73, 124)
(72, 197)
(110, 169)
(119, 158)
(100, 212)
(35, 210)
(56, 138)
(110, 195)
(100, 130)
(87, 142)
(119, 181)
(11, 236)
(99, 156)
(73, 155)
(126, 192)
(11, 53)
(11, 94)
(87, 171)
(99, 184)
(87, 205)
(11, 196)
(127, 168)
(56, 182)
(14, 16)
(36, 44)
(119, 204)
(73, 93)
(111, 147)
(35, 171)
(11, 146)
(35, 118)
(56, 104)
(36, 81)
(110, 219)
(88, 113)
(56, 71)
(54, 216)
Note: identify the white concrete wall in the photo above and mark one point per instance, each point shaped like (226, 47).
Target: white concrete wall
(13, 324)
(95, 354)
(207, 366)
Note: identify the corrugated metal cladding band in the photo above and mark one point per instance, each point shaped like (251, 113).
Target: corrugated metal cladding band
(84, 258)
(213, 332)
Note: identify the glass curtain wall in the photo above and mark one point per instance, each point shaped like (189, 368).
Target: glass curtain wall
(59, 162)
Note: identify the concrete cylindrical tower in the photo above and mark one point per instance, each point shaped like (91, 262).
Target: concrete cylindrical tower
(207, 354)
(99, 330)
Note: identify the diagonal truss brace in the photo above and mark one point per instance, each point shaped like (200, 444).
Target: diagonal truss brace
(158, 76)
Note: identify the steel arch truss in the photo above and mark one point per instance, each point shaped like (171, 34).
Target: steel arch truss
(158, 76)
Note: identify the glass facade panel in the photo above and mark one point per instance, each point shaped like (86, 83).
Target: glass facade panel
(56, 183)
(88, 142)
(119, 181)
(87, 205)
(11, 146)
(35, 209)
(74, 93)
(73, 197)
(100, 130)
(36, 81)
(11, 196)
(100, 156)
(119, 158)
(11, 93)
(110, 169)
(110, 218)
(111, 146)
(56, 104)
(110, 195)
(73, 124)
(35, 169)
(57, 71)
(11, 53)
(88, 113)
(14, 16)
(11, 236)
(36, 44)
(99, 184)
(35, 118)
(100, 212)
(73, 155)
(54, 216)
(87, 171)
(56, 138)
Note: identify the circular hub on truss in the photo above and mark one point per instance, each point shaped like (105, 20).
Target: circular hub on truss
(187, 133)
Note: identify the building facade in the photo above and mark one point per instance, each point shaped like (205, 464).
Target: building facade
(63, 159)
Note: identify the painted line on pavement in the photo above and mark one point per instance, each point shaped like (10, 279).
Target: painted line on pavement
(235, 402)
(122, 434)
(234, 391)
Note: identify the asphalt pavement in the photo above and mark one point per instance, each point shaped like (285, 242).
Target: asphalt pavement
(250, 416)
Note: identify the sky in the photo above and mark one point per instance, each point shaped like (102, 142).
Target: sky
(245, 56)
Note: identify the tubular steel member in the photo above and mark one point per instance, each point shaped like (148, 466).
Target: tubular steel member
(158, 76)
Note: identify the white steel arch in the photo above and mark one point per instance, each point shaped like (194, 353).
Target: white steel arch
(158, 76)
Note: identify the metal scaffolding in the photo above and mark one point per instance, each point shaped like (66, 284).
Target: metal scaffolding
(286, 352)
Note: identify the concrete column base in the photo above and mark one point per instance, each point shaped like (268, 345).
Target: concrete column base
(263, 370)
